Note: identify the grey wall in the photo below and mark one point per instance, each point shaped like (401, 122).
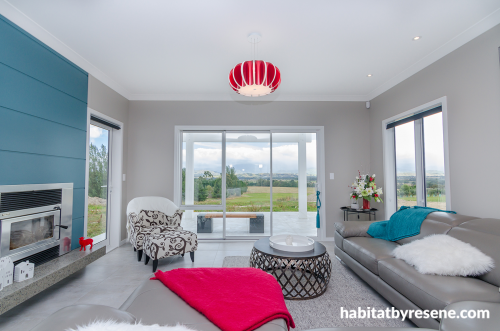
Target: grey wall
(151, 140)
(470, 79)
(105, 100)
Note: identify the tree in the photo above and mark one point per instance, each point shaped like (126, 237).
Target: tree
(98, 171)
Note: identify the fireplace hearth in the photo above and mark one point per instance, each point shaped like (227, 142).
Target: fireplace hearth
(36, 221)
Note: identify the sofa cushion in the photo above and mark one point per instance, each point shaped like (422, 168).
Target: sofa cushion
(368, 251)
(71, 316)
(467, 324)
(143, 303)
(449, 218)
(487, 243)
(431, 291)
(484, 225)
(427, 228)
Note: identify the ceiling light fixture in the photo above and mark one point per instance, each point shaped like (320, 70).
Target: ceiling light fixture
(416, 38)
(369, 75)
(254, 78)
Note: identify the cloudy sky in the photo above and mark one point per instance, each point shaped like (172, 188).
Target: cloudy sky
(98, 136)
(433, 141)
(208, 156)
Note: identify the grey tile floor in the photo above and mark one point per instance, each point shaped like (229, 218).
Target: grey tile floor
(112, 278)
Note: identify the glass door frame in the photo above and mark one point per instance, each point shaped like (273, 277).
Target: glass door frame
(320, 164)
(109, 187)
(270, 184)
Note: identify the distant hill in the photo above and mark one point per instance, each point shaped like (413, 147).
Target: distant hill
(251, 176)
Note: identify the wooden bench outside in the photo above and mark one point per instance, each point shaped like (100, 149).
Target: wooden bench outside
(220, 215)
(205, 223)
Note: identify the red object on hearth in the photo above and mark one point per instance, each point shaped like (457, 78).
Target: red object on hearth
(366, 204)
(66, 244)
(234, 299)
(84, 242)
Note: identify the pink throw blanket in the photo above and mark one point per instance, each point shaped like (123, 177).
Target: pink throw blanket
(234, 299)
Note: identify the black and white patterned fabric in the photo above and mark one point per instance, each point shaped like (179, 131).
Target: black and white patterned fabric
(151, 221)
(160, 245)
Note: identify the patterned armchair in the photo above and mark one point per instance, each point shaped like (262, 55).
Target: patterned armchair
(148, 215)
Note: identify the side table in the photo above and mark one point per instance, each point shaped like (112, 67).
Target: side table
(348, 211)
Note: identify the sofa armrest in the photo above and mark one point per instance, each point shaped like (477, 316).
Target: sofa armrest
(353, 228)
(72, 316)
(467, 324)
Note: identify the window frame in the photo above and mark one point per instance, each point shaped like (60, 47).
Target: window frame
(179, 129)
(389, 156)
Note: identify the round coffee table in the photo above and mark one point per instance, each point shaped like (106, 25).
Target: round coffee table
(302, 276)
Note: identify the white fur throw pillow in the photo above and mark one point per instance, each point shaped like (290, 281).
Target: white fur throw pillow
(444, 255)
(120, 326)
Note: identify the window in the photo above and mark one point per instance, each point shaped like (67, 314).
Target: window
(434, 161)
(405, 164)
(415, 159)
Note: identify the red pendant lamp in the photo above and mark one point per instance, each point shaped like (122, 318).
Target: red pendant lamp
(254, 78)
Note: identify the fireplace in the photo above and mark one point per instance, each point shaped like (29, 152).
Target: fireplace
(36, 221)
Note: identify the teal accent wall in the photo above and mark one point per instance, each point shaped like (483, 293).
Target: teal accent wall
(43, 117)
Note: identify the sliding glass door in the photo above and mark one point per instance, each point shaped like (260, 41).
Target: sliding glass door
(248, 192)
(248, 184)
(202, 183)
(294, 183)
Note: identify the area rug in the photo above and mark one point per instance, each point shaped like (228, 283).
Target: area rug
(345, 290)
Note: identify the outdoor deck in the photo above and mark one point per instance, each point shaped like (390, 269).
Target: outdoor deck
(283, 223)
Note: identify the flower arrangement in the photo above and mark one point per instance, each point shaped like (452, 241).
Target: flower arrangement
(364, 187)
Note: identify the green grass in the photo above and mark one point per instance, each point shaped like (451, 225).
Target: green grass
(96, 223)
(429, 199)
(255, 201)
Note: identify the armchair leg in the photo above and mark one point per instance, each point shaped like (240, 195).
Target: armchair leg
(146, 260)
(192, 256)
(139, 255)
(155, 265)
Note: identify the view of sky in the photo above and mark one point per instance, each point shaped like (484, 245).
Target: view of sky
(252, 157)
(405, 148)
(433, 141)
(98, 136)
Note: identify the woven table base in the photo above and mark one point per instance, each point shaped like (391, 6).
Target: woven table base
(300, 278)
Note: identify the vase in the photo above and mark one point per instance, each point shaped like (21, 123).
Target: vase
(354, 204)
(366, 204)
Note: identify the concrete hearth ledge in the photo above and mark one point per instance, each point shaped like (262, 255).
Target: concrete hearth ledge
(47, 275)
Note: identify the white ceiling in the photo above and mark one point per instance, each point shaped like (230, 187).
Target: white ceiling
(184, 50)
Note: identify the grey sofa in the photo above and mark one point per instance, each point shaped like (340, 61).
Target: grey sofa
(153, 303)
(406, 288)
